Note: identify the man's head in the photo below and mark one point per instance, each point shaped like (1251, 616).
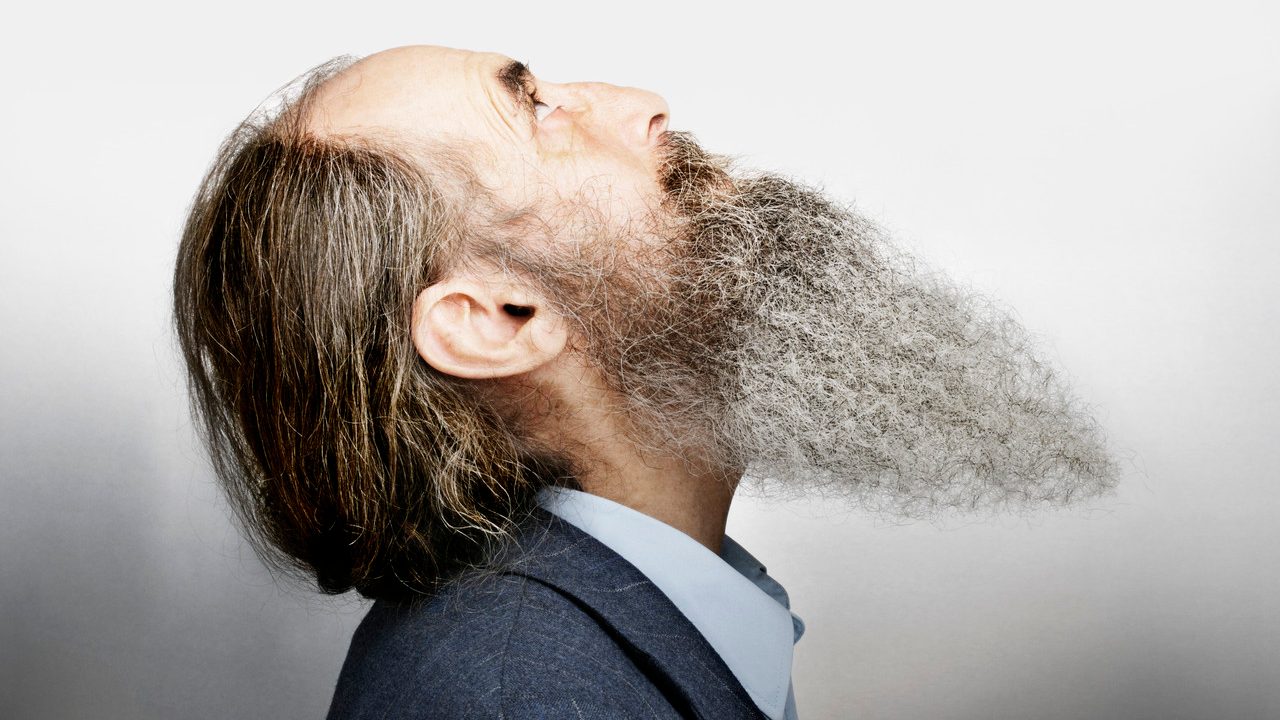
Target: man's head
(534, 143)
(436, 283)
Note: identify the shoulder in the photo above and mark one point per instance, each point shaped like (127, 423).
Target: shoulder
(502, 646)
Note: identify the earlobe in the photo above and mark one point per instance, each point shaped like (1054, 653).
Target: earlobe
(489, 327)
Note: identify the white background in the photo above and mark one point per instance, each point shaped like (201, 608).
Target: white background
(1110, 169)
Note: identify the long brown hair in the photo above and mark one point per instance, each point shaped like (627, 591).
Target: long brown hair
(344, 454)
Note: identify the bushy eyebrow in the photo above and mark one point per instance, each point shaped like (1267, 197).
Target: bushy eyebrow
(515, 77)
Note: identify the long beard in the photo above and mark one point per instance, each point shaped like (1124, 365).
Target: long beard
(754, 323)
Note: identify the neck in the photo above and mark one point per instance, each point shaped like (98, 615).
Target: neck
(693, 500)
(696, 504)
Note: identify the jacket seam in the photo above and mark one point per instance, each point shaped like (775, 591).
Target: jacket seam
(506, 651)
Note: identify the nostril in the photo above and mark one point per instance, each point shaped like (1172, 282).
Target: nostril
(657, 124)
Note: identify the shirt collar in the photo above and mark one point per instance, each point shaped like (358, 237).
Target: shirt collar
(742, 612)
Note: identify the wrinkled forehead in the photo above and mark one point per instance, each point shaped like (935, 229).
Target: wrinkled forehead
(421, 92)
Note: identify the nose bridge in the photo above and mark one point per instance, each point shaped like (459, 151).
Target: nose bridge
(632, 111)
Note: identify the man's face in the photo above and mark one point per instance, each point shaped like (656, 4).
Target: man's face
(743, 319)
(579, 140)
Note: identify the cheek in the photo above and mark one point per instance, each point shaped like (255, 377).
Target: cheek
(578, 167)
(593, 151)
(559, 138)
(615, 192)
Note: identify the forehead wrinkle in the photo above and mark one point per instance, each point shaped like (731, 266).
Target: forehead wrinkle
(503, 98)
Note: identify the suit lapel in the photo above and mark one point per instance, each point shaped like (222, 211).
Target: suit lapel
(666, 646)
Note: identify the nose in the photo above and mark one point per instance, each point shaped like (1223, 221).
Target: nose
(638, 116)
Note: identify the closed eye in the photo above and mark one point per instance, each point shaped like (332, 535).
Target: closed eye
(517, 79)
(540, 109)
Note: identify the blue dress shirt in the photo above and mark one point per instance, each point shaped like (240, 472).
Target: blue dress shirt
(742, 612)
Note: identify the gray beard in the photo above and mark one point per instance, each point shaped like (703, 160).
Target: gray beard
(753, 323)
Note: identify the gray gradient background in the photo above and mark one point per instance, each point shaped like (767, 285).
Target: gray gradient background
(1112, 170)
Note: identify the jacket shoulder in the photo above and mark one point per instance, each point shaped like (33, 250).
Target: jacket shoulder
(504, 646)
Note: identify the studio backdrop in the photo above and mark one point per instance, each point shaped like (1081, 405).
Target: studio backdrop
(1111, 170)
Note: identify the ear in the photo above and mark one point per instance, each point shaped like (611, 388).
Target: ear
(489, 326)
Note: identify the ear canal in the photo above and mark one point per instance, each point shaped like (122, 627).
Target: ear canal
(517, 310)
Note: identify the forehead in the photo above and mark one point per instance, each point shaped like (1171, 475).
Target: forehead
(422, 92)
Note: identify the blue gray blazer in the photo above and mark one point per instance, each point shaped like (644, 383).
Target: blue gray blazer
(565, 629)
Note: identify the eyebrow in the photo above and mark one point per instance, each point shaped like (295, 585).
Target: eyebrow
(515, 78)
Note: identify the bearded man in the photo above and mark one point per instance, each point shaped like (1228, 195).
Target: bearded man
(497, 352)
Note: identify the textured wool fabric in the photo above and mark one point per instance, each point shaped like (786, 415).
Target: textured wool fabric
(743, 612)
(567, 629)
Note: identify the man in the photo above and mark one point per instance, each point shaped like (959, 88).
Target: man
(497, 352)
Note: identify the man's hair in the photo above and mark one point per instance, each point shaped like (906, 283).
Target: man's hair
(344, 454)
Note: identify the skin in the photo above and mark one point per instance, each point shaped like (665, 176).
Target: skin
(597, 141)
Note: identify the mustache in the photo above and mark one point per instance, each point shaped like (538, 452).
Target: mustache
(688, 175)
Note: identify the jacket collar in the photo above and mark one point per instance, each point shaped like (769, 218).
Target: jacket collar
(725, 593)
(666, 645)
